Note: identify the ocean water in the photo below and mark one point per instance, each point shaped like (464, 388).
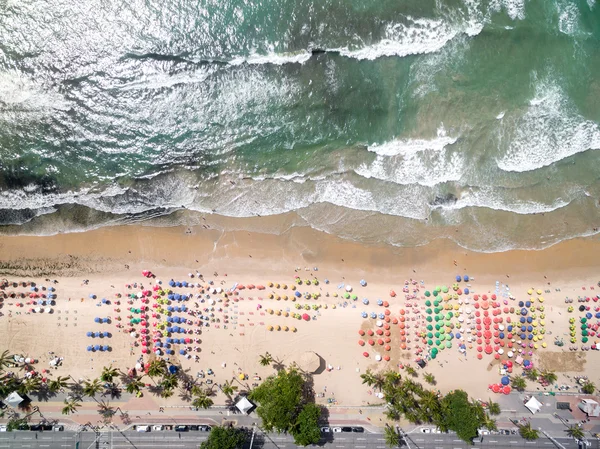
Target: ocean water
(389, 122)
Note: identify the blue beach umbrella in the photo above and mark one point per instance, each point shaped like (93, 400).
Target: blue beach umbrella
(373, 315)
(182, 351)
(523, 336)
(523, 328)
(530, 337)
(458, 278)
(379, 302)
(523, 311)
(529, 328)
(521, 303)
(509, 328)
(105, 333)
(522, 319)
(529, 319)
(298, 294)
(466, 291)
(170, 296)
(89, 334)
(505, 380)
(185, 284)
(181, 330)
(89, 348)
(97, 347)
(364, 314)
(527, 303)
(173, 369)
(170, 309)
(179, 284)
(381, 316)
(366, 302)
(96, 334)
(103, 300)
(466, 278)
(105, 348)
(97, 320)
(172, 283)
(588, 315)
(501, 335)
(363, 282)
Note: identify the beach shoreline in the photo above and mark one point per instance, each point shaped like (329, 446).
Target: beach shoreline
(108, 259)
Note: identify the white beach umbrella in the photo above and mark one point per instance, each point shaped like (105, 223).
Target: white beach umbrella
(348, 288)
(379, 323)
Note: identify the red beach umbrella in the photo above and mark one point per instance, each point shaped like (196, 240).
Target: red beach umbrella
(386, 358)
(380, 342)
(361, 332)
(366, 354)
(371, 342)
(361, 342)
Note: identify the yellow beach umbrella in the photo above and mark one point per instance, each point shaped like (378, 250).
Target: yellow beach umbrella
(544, 345)
(530, 291)
(278, 327)
(285, 314)
(335, 295)
(271, 295)
(293, 329)
(285, 328)
(270, 284)
(285, 297)
(278, 298)
(277, 286)
(535, 346)
(333, 306)
(270, 328)
(539, 292)
(293, 287)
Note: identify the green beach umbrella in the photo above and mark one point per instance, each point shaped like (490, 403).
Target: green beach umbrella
(448, 337)
(354, 297)
(435, 293)
(429, 335)
(436, 302)
(427, 293)
(442, 330)
(445, 289)
(429, 327)
(584, 320)
(429, 342)
(437, 335)
(438, 289)
(584, 340)
(428, 303)
(433, 355)
(584, 333)
(437, 327)
(448, 344)
(584, 326)
(347, 295)
(429, 319)
(428, 311)
(437, 342)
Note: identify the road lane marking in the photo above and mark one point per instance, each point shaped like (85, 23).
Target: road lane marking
(493, 441)
(361, 439)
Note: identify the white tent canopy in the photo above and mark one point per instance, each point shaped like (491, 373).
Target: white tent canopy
(14, 399)
(244, 405)
(533, 405)
(589, 407)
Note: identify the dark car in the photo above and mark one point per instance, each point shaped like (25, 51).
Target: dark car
(181, 428)
(358, 429)
(205, 428)
(194, 427)
(47, 426)
(35, 428)
(23, 427)
(346, 429)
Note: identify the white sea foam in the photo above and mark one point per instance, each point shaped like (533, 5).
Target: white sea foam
(501, 115)
(424, 162)
(514, 8)
(155, 79)
(16, 89)
(548, 131)
(418, 36)
(273, 58)
(568, 18)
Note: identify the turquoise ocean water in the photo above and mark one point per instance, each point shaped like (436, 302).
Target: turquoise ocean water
(395, 122)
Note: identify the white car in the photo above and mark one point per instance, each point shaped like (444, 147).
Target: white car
(2, 428)
(142, 428)
(336, 429)
(426, 430)
(158, 427)
(483, 432)
(325, 429)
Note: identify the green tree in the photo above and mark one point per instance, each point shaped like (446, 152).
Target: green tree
(392, 377)
(15, 423)
(411, 371)
(70, 407)
(588, 387)
(490, 423)
(430, 406)
(280, 399)
(527, 432)
(519, 383)
(266, 359)
(157, 368)
(224, 438)
(108, 374)
(202, 401)
(55, 385)
(5, 360)
(429, 378)
(493, 408)
(461, 415)
(306, 428)
(548, 376)
(392, 436)
(228, 388)
(29, 385)
(368, 377)
(92, 387)
(575, 432)
(532, 374)
(134, 386)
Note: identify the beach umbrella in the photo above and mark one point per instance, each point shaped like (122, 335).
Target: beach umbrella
(364, 315)
(506, 389)
(182, 351)
(361, 342)
(97, 347)
(505, 380)
(96, 334)
(365, 301)
(495, 388)
(90, 334)
(105, 333)
(105, 348)
(363, 283)
(89, 348)
(365, 354)
(105, 320)
(458, 278)
(306, 317)
(96, 320)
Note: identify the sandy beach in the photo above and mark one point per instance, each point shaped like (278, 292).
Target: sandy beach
(108, 263)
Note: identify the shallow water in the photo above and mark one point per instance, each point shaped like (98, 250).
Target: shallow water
(384, 122)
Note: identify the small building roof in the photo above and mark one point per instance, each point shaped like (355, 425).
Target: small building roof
(533, 405)
(244, 405)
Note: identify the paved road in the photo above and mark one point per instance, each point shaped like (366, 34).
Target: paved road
(191, 440)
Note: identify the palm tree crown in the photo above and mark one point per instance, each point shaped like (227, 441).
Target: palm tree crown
(266, 359)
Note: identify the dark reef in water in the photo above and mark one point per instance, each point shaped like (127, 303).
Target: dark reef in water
(449, 198)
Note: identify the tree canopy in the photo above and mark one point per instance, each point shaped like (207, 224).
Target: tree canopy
(306, 428)
(462, 415)
(280, 400)
(224, 438)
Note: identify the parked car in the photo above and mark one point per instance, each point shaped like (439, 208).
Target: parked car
(204, 428)
(425, 430)
(58, 428)
(358, 429)
(158, 427)
(2, 428)
(336, 429)
(326, 429)
(504, 432)
(346, 429)
(142, 428)
(483, 432)
(194, 427)
(181, 428)
(35, 427)
(23, 427)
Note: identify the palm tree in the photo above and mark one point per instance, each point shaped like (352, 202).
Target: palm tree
(493, 407)
(527, 432)
(532, 374)
(158, 367)
(392, 377)
(392, 436)
(30, 385)
(549, 376)
(5, 360)
(92, 387)
(166, 393)
(368, 378)
(430, 405)
(108, 373)
(134, 386)
(228, 388)
(588, 387)
(266, 359)
(411, 371)
(169, 381)
(490, 423)
(202, 401)
(70, 407)
(575, 432)
(55, 385)
(429, 378)
(519, 383)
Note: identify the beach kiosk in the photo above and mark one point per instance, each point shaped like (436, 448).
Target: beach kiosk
(589, 407)
(533, 405)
